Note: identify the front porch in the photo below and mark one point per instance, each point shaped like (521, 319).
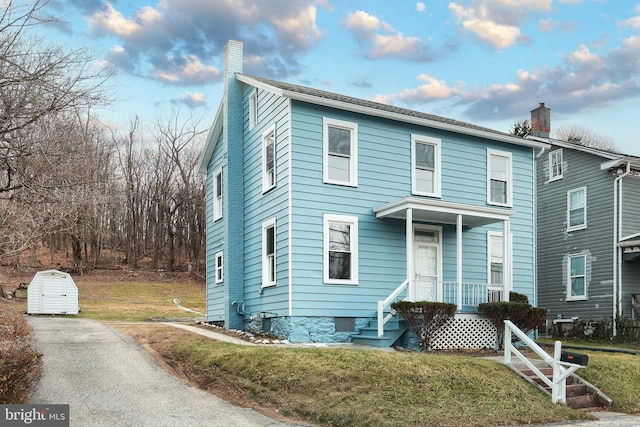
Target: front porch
(424, 222)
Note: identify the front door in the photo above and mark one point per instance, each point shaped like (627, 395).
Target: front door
(427, 264)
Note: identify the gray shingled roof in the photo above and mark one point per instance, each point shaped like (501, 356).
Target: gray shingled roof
(370, 104)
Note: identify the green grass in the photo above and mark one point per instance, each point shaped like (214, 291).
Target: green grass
(355, 387)
(351, 387)
(137, 301)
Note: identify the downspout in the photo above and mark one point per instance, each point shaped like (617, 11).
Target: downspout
(535, 227)
(411, 292)
(617, 226)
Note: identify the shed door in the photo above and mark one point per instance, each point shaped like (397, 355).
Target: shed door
(54, 295)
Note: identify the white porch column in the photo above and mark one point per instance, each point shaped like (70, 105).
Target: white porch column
(411, 293)
(506, 259)
(459, 260)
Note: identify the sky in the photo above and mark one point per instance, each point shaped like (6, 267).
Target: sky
(486, 62)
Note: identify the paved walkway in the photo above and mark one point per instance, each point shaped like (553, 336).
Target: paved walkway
(109, 380)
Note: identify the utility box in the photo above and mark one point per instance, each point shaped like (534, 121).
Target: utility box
(52, 292)
(576, 358)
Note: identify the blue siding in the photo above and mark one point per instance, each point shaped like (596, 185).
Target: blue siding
(384, 175)
(259, 207)
(216, 236)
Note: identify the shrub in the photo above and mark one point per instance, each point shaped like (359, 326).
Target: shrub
(524, 316)
(20, 362)
(425, 318)
(518, 297)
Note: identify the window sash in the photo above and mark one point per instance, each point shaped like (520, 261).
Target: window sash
(339, 251)
(499, 178)
(555, 166)
(269, 159)
(219, 268)
(577, 200)
(340, 152)
(253, 109)
(269, 253)
(217, 202)
(340, 246)
(577, 276)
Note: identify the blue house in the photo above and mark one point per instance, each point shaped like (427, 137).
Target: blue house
(323, 209)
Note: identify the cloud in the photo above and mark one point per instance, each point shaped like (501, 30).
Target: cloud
(186, 70)
(420, 7)
(192, 100)
(380, 40)
(180, 41)
(497, 22)
(432, 89)
(583, 80)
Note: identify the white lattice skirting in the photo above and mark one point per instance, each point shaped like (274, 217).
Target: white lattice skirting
(466, 332)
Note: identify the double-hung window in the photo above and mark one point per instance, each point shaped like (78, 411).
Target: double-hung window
(217, 195)
(496, 260)
(340, 249)
(555, 165)
(219, 274)
(269, 159)
(253, 109)
(269, 253)
(577, 209)
(340, 152)
(425, 158)
(499, 179)
(577, 277)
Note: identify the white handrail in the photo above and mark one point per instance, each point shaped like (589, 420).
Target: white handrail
(388, 300)
(561, 370)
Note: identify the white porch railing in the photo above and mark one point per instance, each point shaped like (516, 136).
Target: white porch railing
(561, 370)
(473, 294)
(383, 304)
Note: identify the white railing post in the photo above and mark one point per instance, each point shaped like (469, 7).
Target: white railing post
(558, 393)
(380, 318)
(561, 370)
(507, 344)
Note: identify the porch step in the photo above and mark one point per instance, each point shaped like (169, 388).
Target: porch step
(579, 393)
(368, 335)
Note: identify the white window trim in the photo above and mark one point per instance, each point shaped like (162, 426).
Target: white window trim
(551, 154)
(491, 152)
(266, 186)
(577, 297)
(266, 280)
(353, 161)
(219, 267)
(581, 226)
(253, 109)
(436, 142)
(353, 222)
(218, 199)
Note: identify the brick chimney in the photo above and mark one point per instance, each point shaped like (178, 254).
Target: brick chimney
(541, 121)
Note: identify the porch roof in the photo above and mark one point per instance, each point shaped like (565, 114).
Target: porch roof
(437, 211)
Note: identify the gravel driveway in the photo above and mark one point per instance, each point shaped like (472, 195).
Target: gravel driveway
(109, 380)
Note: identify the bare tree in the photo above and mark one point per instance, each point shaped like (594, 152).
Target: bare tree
(580, 135)
(182, 197)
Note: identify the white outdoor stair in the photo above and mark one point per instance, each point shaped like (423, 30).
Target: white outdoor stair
(579, 393)
(368, 335)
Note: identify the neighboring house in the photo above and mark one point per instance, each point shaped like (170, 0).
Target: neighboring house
(588, 229)
(321, 205)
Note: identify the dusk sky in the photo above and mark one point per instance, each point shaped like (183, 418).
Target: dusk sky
(487, 62)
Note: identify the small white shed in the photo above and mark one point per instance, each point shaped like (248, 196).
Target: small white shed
(52, 292)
